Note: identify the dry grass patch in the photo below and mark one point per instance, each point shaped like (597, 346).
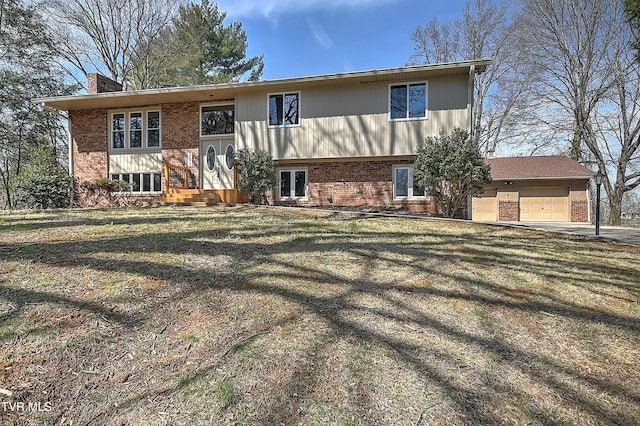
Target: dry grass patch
(256, 316)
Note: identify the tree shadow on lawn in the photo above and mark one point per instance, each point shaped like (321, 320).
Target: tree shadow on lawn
(51, 219)
(274, 269)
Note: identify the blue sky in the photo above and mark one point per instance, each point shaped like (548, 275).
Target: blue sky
(311, 37)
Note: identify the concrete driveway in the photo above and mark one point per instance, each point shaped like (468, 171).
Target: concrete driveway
(613, 233)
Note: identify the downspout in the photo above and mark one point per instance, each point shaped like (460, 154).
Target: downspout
(589, 205)
(70, 142)
(472, 73)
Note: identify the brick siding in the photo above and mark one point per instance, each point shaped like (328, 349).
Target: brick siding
(180, 136)
(97, 83)
(579, 211)
(89, 144)
(508, 211)
(357, 184)
(354, 184)
(90, 140)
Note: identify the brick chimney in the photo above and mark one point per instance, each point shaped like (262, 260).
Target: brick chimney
(98, 83)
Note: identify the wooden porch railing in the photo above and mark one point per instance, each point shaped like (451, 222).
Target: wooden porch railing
(176, 176)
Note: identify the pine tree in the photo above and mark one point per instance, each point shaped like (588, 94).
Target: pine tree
(197, 49)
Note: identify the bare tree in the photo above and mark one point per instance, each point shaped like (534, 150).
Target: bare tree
(483, 31)
(436, 43)
(106, 35)
(587, 84)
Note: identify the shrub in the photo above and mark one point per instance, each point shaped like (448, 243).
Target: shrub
(256, 174)
(453, 168)
(103, 192)
(43, 183)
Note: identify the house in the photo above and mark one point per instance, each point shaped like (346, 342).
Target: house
(344, 139)
(535, 189)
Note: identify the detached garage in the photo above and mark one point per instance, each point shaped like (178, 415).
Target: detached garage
(535, 189)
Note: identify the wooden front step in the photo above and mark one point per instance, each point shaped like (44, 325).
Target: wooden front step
(186, 196)
(191, 196)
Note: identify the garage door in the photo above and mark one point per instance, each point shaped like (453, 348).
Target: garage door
(544, 204)
(484, 207)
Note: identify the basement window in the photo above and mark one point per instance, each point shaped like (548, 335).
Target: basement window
(403, 185)
(141, 182)
(292, 184)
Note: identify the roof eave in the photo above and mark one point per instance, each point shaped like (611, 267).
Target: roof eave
(203, 92)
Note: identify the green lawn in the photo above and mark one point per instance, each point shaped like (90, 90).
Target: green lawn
(258, 316)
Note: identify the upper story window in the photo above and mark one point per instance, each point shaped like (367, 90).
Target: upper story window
(153, 129)
(135, 130)
(284, 109)
(408, 101)
(217, 120)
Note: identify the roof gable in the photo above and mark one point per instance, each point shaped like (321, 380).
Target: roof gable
(544, 167)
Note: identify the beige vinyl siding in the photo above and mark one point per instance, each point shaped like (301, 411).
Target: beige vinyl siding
(578, 194)
(132, 163)
(350, 121)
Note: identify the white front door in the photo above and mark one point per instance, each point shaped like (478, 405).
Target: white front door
(216, 164)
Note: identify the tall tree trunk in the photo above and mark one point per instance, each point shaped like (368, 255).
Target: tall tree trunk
(615, 208)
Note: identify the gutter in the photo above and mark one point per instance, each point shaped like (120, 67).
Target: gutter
(541, 178)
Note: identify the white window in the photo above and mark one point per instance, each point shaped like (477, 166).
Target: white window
(403, 185)
(284, 109)
(153, 129)
(217, 120)
(408, 101)
(135, 130)
(292, 184)
(117, 131)
(141, 182)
